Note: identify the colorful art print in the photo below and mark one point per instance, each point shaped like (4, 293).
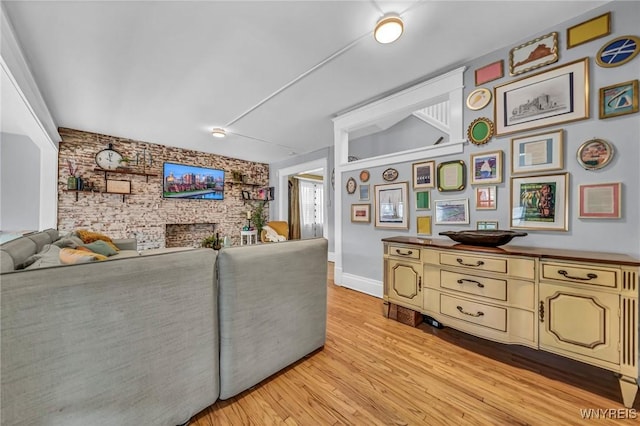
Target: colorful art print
(618, 51)
(423, 200)
(423, 225)
(486, 198)
(452, 176)
(592, 29)
(536, 153)
(361, 213)
(489, 72)
(364, 193)
(486, 167)
(600, 201)
(619, 99)
(534, 54)
(392, 206)
(595, 154)
(423, 174)
(539, 202)
(452, 212)
(558, 95)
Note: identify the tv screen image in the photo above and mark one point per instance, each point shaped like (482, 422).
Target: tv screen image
(193, 182)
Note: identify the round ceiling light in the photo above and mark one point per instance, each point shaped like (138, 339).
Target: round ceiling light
(218, 133)
(388, 29)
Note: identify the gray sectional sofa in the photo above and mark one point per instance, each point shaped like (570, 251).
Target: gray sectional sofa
(152, 337)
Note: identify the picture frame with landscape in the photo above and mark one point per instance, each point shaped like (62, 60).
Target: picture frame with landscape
(537, 153)
(361, 213)
(452, 212)
(558, 95)
(392, 205)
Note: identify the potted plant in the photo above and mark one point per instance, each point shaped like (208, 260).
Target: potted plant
(211, 241)
(258, 217)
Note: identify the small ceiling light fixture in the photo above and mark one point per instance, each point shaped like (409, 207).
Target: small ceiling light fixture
(388, 29)
(218, 133)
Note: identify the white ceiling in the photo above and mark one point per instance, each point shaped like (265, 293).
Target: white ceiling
(168, 72)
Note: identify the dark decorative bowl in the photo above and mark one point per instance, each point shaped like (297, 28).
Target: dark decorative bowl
(486, 238)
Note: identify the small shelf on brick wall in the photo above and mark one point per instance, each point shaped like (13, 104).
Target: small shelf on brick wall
(125, 172)
(233, 182)
(80, 191)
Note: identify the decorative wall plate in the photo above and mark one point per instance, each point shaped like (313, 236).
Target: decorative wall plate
(364, 175)
(534, 54)
(480, 131)
(478, 99)
(595, 154)
(351, 185)
(618, 51)
(390, 175)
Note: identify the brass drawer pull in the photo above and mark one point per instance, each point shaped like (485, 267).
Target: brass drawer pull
(478, 263)
(590, 276)
(479, 314)
(462, 281)
(409, 253)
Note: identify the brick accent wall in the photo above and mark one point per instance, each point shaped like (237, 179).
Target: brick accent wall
(144, 214)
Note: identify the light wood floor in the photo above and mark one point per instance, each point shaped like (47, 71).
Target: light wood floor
(376, 371)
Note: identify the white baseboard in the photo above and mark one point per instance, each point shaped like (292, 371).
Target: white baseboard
(331, 256)
(362, 284)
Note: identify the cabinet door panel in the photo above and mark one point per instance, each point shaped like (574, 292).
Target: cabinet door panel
(405, 284)
(580, 321)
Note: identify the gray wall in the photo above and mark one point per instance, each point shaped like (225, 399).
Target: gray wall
(328, 196)
(362, 248)
(409, 133)
(19, 183)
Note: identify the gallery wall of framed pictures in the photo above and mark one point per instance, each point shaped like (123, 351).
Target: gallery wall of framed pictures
(553, 146)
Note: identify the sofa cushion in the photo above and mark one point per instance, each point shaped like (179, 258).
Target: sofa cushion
(40, 238)
(48, 256)
(101, 247)
(70, 256)
(6, 262)
(19, 250)
(68, 241)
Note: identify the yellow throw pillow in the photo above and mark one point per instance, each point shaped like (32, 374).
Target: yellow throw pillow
(89, 236)
(70, 256)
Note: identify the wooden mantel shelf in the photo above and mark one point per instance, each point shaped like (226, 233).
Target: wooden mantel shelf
(124, 172)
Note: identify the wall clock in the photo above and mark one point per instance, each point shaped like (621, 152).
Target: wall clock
(108, 159)
(618, 51)
(351, 185)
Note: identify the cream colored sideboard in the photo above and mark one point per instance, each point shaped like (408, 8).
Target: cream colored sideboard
(580, 305)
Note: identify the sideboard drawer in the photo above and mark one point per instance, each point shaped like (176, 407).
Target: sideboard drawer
(474, 312)
(471, 284)
(405, 252)
(580, 274)
(474, 262)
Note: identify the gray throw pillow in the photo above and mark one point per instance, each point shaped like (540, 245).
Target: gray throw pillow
(68, 241)
(48, 256)
(101, 247)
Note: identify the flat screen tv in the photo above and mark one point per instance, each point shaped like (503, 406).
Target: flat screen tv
(181, 181)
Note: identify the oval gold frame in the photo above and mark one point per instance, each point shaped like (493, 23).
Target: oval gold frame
(478, 99)
(624, 61)
(485, 138)
(591, 145)
(351, 181)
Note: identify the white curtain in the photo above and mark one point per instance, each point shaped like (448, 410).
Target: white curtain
(311, 202)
